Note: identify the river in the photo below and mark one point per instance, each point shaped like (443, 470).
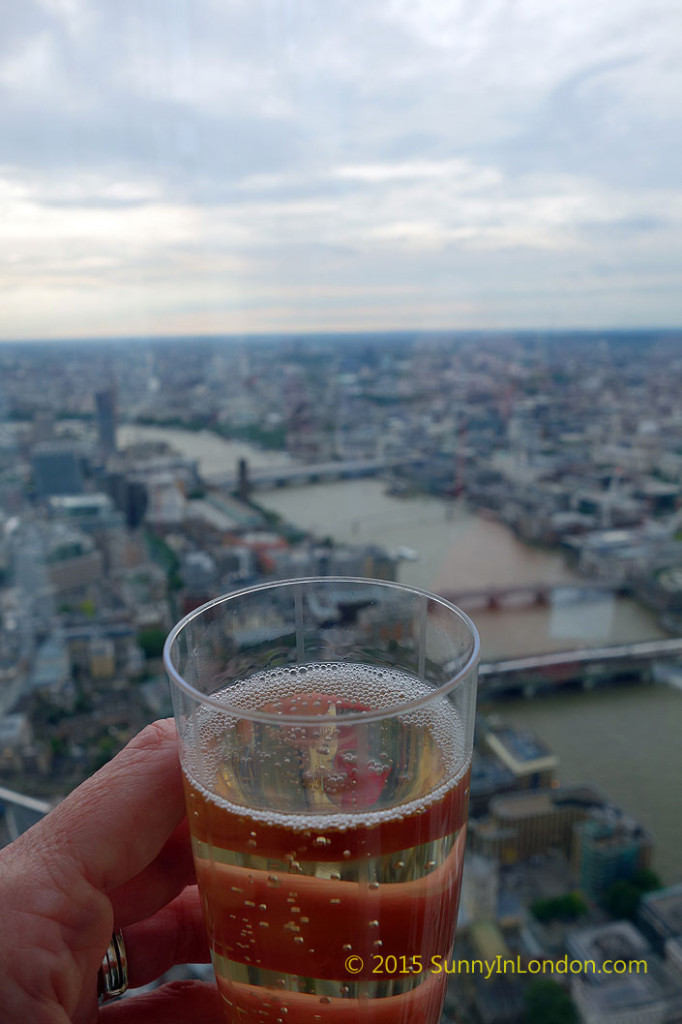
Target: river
(625, 739)
(214, 454)
(457, 551)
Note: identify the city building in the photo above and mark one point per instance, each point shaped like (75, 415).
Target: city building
(82, 638)
(309, 559)
(89, 512)
(489, 778)
(144, 462)
(102, 658)
(72, 559)
(480, 890)
(167, 503)
(643, 993)
(129, 496)
(660, 916)
(618, 940)
(16, 736)
(42, 431)
(51, 670)
(608, 847)
(528, 823)
(499, 1000)
(105, 406)
(199, 573)
(56, 470)
(673, 956)
(532, 765)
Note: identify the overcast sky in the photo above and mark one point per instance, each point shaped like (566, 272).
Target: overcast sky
(179, 166)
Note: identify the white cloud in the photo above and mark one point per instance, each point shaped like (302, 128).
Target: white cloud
(199, 160)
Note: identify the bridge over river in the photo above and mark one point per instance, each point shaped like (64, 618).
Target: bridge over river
(589, 667)
(269, 477)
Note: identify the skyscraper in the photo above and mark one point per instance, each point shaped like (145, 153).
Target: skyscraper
(105, 403)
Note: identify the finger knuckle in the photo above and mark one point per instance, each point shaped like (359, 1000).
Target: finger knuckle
(157, 735)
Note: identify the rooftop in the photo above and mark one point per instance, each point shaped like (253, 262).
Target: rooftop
(665, 906)
(610, 828)
(614, 941)
(488, 775)
(521, 751)
(80, 504)
(528, 803)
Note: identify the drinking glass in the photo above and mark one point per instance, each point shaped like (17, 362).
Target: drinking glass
(326, 729)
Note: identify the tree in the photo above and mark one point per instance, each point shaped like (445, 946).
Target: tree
(646, 880)
(548, 1003)
(151, 641)
(562, 908)
(622, 897)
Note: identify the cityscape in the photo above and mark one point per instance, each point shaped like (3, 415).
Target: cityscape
(533, 478)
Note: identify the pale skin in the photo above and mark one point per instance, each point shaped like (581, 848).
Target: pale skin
(114, 855)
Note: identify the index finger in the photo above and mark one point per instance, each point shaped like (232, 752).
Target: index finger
(118, 820)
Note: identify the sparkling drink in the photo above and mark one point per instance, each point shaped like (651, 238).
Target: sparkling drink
(333, 910)
(326, 729)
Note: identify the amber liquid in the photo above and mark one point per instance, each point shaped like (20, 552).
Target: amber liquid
(365, 862)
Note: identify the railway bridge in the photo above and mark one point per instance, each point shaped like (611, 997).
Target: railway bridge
(589, 667)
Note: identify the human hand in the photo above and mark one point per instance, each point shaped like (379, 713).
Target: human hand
(114, 855)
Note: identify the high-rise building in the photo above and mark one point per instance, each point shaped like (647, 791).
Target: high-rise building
(105, 404)
(129, 496)
(43, 426)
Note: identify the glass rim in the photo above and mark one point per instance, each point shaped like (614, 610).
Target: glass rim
(352, 718)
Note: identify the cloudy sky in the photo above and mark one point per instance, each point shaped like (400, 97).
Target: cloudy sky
(179, 166)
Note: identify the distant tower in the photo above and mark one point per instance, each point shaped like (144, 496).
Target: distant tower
(243, 482)
(43, 426)
(299, 416)
(105, 402)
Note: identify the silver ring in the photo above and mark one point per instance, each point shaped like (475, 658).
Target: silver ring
(112, 979)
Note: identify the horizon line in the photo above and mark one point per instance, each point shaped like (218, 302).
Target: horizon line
(310, 334)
